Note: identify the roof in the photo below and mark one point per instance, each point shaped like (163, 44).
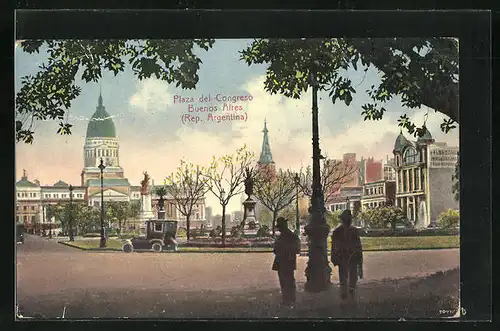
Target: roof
(24, 182)
(426, 137)
(401, 142)
(108, 182)
(60, 183)
(101, 124)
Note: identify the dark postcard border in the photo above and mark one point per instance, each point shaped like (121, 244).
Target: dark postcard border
(473, 29)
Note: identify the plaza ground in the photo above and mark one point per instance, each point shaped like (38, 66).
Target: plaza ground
(52, 277)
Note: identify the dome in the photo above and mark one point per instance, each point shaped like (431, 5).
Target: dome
(400, 143)
(101, 125)
(426, 137)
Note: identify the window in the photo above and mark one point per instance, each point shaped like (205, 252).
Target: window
(32, 207)
(25, 207)
(18, 219)
(32, 219)
(158, 227)
(17, 208)
(415, 179)
(18, 195)
(422, 179)
(404, 181)
(411, 156)
(410, 180)
(96, 203)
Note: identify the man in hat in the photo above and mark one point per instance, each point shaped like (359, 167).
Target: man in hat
(286, 248)
(347, 253)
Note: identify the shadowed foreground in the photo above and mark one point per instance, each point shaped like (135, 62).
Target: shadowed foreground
(435, 296)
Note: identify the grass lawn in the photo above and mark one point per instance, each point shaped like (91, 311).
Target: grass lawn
(369, 244)
(401, 243)
(94, 243)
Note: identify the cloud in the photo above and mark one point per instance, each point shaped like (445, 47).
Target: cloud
(152, 95)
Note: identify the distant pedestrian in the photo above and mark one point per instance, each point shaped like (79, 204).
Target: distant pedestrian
(347, 254)
(286, 248)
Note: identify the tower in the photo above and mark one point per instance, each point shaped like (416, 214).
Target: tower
(101, 142)
(266, 163)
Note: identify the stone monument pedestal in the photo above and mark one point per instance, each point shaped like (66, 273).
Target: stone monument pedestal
(146, 212)
(249, 205)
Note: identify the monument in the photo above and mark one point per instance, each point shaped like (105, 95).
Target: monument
(249, 204)
(146, 209)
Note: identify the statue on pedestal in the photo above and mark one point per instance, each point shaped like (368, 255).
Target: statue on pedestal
(249, 203)
(146, 210)
(145, 183)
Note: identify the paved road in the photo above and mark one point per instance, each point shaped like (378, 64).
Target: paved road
(46, 268)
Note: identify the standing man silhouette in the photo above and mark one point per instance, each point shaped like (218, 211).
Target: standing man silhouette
(347, 253)
(286, 248)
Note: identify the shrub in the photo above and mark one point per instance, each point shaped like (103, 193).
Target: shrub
(333, 218)
(181, 233)
(449, 219)
(384, 217)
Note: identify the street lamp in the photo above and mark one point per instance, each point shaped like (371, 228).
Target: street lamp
(297, 219)
(71, 235)
(102, 243)
(317, 271)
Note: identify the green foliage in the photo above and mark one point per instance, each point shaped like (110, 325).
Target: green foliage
(181, 233)
(420, 71)
(48, 94)
(214, 233)
(383, 217)
(160, 191)
(333, 218)
(449, 219)
(265, 217)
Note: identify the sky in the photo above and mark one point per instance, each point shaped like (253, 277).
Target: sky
(154, 133)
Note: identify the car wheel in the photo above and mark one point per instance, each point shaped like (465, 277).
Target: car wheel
(157, 248)
(127, 248)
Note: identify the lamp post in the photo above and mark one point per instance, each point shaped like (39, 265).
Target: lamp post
(297, 218)
(71, 235)
(317, 271)
(102, 243)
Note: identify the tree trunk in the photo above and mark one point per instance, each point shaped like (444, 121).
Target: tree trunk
(275, 216)
(188, 227)
(223, 225)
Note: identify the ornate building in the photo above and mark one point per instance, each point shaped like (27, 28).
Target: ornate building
(424, 178)
(100, 142)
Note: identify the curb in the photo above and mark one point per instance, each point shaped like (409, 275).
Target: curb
(220, 251)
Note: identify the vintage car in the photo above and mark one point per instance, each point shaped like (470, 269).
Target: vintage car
(160, 236)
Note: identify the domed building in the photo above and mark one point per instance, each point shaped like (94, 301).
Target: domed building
(424, 170)
(101, 142)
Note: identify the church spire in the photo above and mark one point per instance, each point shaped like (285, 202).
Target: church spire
(265, 154)
(99, 100)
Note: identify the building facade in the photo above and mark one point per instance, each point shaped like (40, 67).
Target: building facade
(101, 142)
(424, 172)
(378, 194)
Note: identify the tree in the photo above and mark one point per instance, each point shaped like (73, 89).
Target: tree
(48, 94)
(117, 212)
(224, 178)
(133, 210)
(382, 217)
(333, 218)
(187, 186)
(334, 174)
(421, 71)
(275, 194)
(456, 180)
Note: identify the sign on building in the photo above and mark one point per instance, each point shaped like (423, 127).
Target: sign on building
(443, 157)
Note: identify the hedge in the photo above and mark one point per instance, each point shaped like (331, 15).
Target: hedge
(408, 232)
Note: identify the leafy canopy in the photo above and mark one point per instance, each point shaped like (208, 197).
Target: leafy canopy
(48, 94)
(421, 71)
